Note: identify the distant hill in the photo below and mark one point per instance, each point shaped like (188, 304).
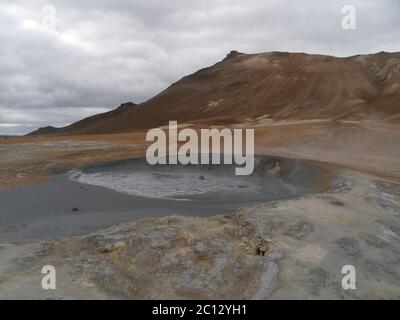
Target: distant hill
(277, 85)
(89, 123)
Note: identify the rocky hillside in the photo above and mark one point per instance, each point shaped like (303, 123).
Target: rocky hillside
(276, 85)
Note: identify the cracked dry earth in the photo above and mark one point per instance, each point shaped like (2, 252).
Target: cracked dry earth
(287, 249)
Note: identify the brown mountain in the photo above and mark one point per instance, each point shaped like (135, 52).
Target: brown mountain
(279, 85)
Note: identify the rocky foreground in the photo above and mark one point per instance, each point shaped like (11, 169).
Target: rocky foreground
(281, 250)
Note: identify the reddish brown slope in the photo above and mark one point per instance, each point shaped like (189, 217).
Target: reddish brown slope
(386, 68)
(282, 85)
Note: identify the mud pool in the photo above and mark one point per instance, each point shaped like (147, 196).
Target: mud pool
(81, 202)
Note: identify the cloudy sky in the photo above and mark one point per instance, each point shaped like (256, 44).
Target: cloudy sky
(85, 57)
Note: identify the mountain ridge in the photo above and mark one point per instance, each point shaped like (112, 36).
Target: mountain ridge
(277, 85)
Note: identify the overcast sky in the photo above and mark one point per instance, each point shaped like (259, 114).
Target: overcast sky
(101, 53)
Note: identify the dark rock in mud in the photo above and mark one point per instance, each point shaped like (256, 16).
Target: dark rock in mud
(341, 185)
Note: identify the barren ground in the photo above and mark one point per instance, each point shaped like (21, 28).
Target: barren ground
(308, 239)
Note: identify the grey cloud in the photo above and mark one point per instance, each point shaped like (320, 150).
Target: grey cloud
(107, 52)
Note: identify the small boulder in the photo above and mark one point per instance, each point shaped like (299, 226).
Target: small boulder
(113, 247)
(262, 250)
